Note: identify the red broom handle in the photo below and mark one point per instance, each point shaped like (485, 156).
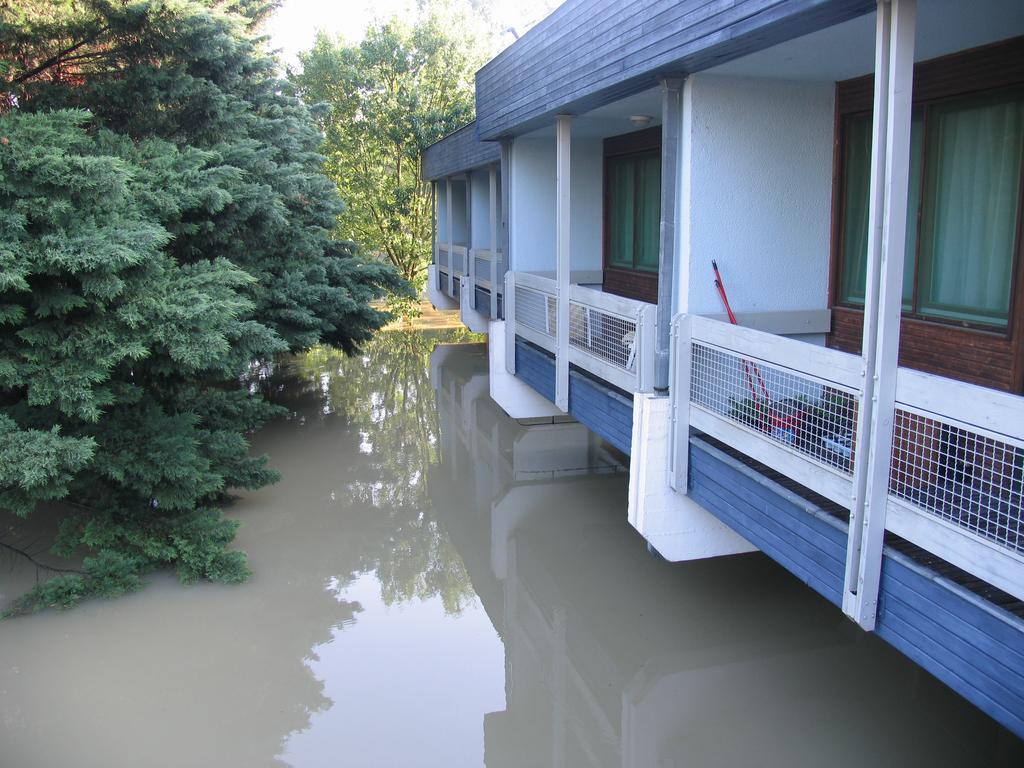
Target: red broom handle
(732, 319)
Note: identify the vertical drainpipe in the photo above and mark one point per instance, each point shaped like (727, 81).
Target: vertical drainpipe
(671, 133)
(887, 226)
(563, 144)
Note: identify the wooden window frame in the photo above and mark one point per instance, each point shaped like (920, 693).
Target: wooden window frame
(982, 354)
(641, 285)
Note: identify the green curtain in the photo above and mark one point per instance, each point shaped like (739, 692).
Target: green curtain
(962, 204)
(634, 221)
(649, 213)
(621, 194)
(856, 191)
(969, 215)
(857, 184)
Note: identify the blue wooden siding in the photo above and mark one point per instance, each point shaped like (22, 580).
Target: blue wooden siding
(536, 369)
(592, 52)
(483, 303)
(974, 647)
(787, 528)
(603, 411)
(458, 152)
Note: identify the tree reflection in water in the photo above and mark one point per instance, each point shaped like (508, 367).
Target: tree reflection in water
(385, 393)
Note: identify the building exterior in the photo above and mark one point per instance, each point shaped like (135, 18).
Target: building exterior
(847, 174)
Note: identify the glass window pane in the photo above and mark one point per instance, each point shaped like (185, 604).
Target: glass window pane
(969, 216)
(913, 207)
(856, 185)
(621, 187)
(648, 216)
(856, 189)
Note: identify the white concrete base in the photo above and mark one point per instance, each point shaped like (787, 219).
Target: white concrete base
(514, 397)
(674, 524)
(437, 298)
(475, 321)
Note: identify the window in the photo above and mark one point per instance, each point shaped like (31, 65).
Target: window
(634, 210)
(963, 217)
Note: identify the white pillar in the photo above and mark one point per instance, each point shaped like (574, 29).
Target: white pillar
(493, 195)
(467, 264)
(887, 223)
(433, 221)
(563, 142)
(451, 235)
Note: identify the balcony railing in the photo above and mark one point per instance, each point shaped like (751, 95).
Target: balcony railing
(957, 459)
(608, 336)
(485, 270)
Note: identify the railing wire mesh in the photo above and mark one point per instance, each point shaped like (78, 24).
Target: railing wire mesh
(966, 478)
(483, 269)
(536, 310)
(812, 417)
(603, 335)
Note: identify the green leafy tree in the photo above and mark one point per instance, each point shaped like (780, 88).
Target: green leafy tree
(398, 91)
(164, 222)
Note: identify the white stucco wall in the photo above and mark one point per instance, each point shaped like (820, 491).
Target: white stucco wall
(442, 212)
(759, 180)
(586, 175)
(459, 229)
(480, 234)
(532, 204)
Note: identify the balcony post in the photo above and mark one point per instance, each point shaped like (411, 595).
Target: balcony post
(679, 428)
(451, 235)
(493, 196)
(433, 222)
(467, 263)
(671, 133)
(563, 259)
(510, 322)
(887, 223)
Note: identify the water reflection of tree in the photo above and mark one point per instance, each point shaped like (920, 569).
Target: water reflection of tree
(385, 393)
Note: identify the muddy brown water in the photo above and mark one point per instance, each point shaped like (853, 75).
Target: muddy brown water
(436, 585)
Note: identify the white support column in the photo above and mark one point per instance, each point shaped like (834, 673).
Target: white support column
(451, 235)
(510, 322)
(647, 349)
(467, 266)
(563, 144)
(433, 222)
(887, 217)
(493, 196)
(679, 438)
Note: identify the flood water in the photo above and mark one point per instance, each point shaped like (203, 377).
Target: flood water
(437, 585)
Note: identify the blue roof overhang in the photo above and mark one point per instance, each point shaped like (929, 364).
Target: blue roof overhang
(589, 53)
(458, 152)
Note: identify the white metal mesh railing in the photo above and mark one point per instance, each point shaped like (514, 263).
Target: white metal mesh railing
(458, 261)
(536, 310)
(960, 475)
(608, 337)
(482, 267)
(790, 408)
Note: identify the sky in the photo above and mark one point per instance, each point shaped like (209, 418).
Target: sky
(294, 27)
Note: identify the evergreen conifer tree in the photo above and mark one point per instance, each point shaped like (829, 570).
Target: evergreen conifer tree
(164, 226)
